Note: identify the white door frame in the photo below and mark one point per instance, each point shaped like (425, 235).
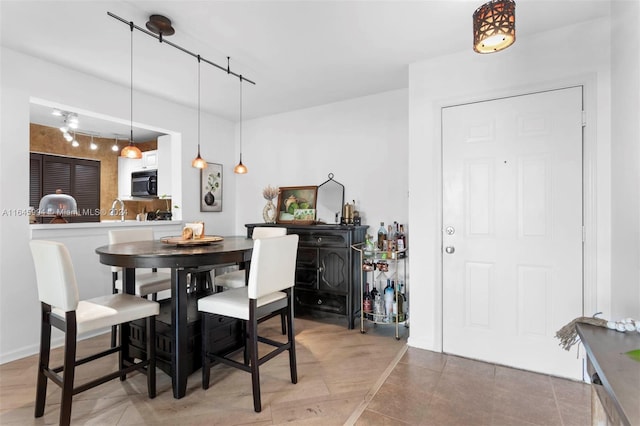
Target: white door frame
(589, 171)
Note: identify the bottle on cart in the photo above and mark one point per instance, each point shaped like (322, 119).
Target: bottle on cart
(388, 300)
(402, 296)
(374, 291)
(382, 236)
(367, 304)
(401, 241)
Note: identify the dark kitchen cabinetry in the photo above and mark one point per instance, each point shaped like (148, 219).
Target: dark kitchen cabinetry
(327, 272)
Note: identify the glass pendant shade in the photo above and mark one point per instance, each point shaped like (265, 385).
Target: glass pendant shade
(240, 169)
(131, 151)
(199, 162)
(494, 26)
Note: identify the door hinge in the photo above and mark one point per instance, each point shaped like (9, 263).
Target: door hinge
(584, 118)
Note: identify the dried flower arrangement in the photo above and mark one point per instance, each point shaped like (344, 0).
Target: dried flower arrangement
(269, 193)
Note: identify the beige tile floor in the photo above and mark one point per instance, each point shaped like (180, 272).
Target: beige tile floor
(345, 377)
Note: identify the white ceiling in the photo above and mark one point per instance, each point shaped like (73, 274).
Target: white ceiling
(300, 53)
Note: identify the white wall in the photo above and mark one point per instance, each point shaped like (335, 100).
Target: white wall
(625, 155)
(362, 141)
(573, 55)
(23, 77)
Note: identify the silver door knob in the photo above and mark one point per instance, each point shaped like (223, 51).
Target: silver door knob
(450, 249)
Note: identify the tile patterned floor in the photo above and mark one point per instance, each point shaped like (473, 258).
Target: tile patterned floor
(345, 377)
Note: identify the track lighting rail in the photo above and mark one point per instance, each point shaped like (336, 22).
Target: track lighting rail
(195, 55)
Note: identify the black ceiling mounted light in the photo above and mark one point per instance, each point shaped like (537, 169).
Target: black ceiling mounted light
(159, 26)
(494, 26)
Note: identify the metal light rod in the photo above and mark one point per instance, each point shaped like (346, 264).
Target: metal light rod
(195, 55)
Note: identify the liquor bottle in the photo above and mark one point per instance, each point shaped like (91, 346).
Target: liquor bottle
(366, 300)
(388, 300)
(382, 236)
(403, 296)
(374, 291)
(402, 242)
(390, 239)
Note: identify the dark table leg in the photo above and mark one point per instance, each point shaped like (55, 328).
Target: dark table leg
(179, 356)
(129, 287)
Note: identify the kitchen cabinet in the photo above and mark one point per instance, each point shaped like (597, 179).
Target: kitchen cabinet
(125, 167)
(327, 271)
(164, 154)
(150, 159)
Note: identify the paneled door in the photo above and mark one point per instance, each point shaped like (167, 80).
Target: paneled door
(512, 229)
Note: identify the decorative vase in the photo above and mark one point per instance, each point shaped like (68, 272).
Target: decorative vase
(209, 199)
(269, 213)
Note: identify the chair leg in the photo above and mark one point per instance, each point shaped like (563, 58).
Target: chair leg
(283, 323)
(43, 363)
(151, 356)
(68, 369)
(121, 352)
(292, 341)
(252, 341)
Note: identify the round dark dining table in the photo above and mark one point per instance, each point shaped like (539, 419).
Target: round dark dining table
(181, 259)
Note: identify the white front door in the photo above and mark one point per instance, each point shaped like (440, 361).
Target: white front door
(512, 229)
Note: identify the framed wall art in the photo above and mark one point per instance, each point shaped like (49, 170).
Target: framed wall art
(297, 204)
(211, 188)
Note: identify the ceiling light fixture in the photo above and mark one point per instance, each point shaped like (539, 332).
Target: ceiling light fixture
(131, 151)
(494, 26)
(93, 145)
(74, 142)
(197, 162)
(115, 147)
(67, 137)
(240, 168)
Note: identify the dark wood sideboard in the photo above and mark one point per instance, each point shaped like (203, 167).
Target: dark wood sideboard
(615, 377)
(327, 272)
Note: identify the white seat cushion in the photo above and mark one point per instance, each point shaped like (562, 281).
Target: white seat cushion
(149, 282)
(233, 279)
(105, 311)
(235, 302)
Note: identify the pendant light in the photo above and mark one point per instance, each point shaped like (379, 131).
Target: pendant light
(115, 147)
(131, 151)
(198, 162)
(494, 26)
(240, 168)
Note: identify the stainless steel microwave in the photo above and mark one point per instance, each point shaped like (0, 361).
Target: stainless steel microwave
(144, 183)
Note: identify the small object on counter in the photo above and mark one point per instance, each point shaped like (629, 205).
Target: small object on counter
(187, 233)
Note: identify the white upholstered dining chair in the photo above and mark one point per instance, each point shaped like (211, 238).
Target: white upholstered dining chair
(61, 308)
(269, 291)
(148, 281)
(238, 278)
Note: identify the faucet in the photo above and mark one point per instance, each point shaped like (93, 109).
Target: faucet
(113, 210)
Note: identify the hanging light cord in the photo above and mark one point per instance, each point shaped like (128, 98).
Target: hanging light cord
(198, 105)
(164, 41)
(241, 118)
(131, 86)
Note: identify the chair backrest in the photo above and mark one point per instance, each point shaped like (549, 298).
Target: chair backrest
(267, 232)
(55, 276)
(117, 236)
(273, 265)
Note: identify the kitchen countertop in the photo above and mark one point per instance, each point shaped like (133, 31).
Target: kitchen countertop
(49, 230)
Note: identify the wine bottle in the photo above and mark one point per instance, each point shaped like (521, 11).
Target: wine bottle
(374, 291)
(403, 296)
(366, 300)
(402, 242)
(382, 236)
